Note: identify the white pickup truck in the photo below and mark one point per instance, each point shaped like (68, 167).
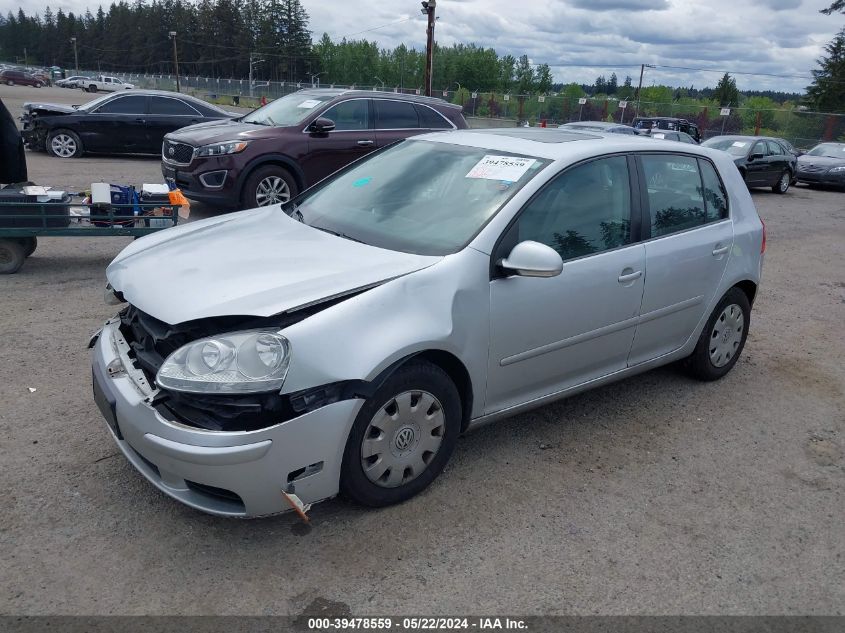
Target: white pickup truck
(104, 83)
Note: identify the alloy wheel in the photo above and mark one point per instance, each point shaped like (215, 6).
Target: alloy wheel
(63, 145)
(402, 438)
(783, 184)
(272, 190)
(726, 335)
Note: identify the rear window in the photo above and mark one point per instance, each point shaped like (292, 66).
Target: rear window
(674, 193)
(166, 105)
(395, 115)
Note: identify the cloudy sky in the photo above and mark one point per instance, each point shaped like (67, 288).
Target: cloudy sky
(576, 37)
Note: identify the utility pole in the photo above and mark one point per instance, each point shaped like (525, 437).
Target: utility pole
(640, 87)
(175, 58)
(251, 64)
(428, 7)
(75, 56)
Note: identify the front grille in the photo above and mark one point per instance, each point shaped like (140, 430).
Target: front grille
(180, 153)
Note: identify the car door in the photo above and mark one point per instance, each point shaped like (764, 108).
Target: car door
(116, 125)
(688, 240)
(779, 161)
(165, 115)
(352, 138)
(395, 120)
(549, 334)
(758, 169)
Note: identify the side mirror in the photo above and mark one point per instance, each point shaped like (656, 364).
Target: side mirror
(532, 259)
(756, 156)
(321, 126)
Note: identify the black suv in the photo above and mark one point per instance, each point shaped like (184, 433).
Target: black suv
(667, 123)
(271, 154)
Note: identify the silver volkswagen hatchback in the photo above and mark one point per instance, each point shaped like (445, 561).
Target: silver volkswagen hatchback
(342, 342)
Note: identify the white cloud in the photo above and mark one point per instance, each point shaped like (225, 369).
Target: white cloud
(782, 37)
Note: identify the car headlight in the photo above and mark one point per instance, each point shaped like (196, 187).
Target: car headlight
(221, 149)
(836, 170)
(239, 362)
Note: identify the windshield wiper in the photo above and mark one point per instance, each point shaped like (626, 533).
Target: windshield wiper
(338, 233)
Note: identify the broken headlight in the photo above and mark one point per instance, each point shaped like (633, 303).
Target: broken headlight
(239, 362)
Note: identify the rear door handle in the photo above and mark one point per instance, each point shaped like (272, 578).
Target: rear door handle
(625, 278)
(365, 143)
(720, 250)
(140, 120)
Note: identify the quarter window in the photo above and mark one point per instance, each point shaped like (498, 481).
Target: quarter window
(715, 198)
(164, 105)
(585, 210)
(395, 115)
(674, 193)
(431, 119)
(349, 115)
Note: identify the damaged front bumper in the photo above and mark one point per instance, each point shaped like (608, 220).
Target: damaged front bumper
(239, 474)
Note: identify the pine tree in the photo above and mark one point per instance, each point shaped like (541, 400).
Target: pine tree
(827, 92)
(726, 92)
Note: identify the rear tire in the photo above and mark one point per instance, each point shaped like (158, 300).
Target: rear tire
(12, 256)
(92, 88)
(9, 82)
(722, 339)
(268, 185)
(782, 185)
(402, 437)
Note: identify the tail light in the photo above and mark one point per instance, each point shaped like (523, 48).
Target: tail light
(763, 245)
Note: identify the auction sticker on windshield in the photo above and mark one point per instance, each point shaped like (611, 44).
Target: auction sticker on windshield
(739, 144)
(310, 103)
(492, 167)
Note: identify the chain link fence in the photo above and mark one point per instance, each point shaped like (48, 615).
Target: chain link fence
(801, 127)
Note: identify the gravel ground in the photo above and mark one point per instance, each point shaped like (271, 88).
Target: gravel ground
(656, 495)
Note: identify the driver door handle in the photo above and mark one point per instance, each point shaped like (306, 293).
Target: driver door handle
(720, 250)
(365, 143)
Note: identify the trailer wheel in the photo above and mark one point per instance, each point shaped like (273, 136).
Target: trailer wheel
(12, 256)
(29, 245)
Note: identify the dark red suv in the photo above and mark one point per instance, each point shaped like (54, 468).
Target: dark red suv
(271, 154)
(20, 78)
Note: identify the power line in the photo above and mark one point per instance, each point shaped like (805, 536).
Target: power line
(376, 28)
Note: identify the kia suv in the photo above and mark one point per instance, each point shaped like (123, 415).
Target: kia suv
(271, 154)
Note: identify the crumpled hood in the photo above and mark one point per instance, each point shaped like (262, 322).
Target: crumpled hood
(52, 108)
(259, 262)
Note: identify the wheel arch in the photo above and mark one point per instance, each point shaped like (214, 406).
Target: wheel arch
(749, 288)
(449, 363)
(279, 160)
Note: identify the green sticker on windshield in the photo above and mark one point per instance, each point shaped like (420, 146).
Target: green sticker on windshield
(362, 181)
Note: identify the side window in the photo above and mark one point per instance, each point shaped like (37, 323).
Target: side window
(124, 105)
(395, 115)
(715, 198)
(585, 210)
(774, 148)
(674, 193)
(350, 115)
(431, 119)
(164, 105)
(759, 148)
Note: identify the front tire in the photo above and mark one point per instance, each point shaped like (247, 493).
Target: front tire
(268, 185)
(64, 144)
(782, 185)
(402, 437)
(722, 339)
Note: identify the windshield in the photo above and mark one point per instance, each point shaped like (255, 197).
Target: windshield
(95, 102)
(417, 196)
(734, 146)
(288, 110)
(830, 150)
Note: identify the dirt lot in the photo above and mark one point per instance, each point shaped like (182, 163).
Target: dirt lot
(657, 495)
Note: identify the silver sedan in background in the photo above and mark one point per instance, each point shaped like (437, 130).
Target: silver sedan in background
(342, 342)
